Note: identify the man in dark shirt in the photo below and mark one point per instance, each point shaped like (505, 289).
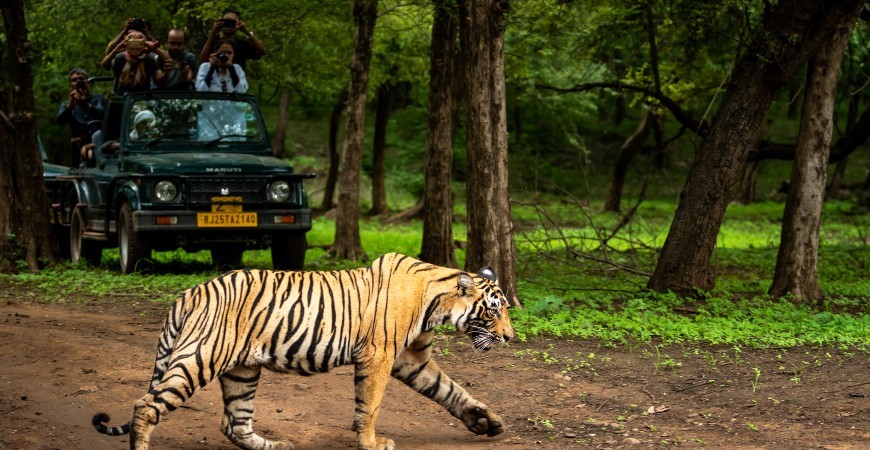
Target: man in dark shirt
(78, 111)
(226, 28)
(179, 70)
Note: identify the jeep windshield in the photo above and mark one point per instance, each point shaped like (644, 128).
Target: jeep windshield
(187, 121)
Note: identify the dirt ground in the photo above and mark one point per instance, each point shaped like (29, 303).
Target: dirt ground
(63, 363)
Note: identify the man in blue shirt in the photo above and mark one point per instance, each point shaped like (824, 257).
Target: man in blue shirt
(80, 111)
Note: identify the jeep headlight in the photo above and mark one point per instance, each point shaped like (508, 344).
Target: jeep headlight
(279, 191)
(165, 191)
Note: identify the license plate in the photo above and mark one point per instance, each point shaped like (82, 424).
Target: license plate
(242, 219)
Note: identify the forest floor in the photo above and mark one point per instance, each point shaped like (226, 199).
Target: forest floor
(64, 362)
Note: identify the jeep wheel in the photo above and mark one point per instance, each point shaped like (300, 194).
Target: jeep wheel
(227, 258)
(288, 251)
(132, 250)
(79, 248)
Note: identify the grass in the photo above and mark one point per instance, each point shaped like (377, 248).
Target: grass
(590, 301)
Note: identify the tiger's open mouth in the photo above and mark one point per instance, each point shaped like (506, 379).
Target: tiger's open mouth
(482, 337)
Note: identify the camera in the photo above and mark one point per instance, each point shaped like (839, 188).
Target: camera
(135, 44)
(81, 85)
(138, 24)
(229, 23)
(223, 57)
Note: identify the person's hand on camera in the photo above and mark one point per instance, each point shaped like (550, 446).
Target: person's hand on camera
(186, 73)
(217, 26)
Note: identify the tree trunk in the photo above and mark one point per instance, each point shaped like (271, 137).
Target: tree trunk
(684, 264)
(746, 195)
(278, 146)
(837, 179)
(490, 231)
(627, 152)
(334, 155)
(382, 118)
(797, 261)
(347, 238)
(437, 247)
(23, 201)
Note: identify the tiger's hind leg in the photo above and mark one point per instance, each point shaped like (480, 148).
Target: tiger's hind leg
(415, 368)
(163, 398)
(239, 387)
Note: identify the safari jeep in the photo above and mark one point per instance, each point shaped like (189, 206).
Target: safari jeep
(190, 170)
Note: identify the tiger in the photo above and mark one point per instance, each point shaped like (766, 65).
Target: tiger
(380, 318)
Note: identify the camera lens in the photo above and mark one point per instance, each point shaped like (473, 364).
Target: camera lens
(81, 85)
(223, 57)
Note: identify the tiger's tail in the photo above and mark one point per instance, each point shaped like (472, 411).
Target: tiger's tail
(99, 422)
(165, 345)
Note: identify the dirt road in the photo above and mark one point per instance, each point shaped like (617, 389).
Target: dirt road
(63, 363)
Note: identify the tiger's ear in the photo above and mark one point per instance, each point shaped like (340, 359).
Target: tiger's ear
(488, 273)
(465, 282)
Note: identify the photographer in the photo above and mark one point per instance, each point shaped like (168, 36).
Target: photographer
(133, 64)
(80, 109)
(220, 74)
(132, 24)
(226, 28)
(178, 69)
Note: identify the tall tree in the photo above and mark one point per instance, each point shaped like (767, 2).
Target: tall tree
(797, 262)
(437, 245)
(379, 148)
(280, 135)
(769, 62)
(348, 244)
(23, 202)
(334, 154)
(490, 231)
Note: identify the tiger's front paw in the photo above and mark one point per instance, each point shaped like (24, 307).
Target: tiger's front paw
(480, 421)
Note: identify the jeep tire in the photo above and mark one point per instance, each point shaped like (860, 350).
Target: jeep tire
(227, 258)
(79, 247)
(132, 249)
(288, 251)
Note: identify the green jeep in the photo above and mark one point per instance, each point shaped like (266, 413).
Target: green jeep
(178, 169)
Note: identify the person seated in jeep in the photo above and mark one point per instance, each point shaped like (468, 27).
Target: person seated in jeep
(144, 126)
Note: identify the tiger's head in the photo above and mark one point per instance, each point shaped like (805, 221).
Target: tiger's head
(481, 309)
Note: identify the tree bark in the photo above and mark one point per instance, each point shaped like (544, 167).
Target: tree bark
(437, 247)
(278, 146)
(490, 231)
(684, 264)
(382, 118)
(23, 201)
(348, 244)
(797, 261)
(334, 154)
(627, 152)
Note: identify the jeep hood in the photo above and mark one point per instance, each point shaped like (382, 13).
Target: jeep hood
(205, 163)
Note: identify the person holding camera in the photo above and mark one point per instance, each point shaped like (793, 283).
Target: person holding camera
(80, 111)
(220, 74)
(227, 28)
(178, 69)
(133, 64)
(132, 24)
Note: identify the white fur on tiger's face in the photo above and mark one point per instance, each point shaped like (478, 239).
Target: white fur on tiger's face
(379, 318)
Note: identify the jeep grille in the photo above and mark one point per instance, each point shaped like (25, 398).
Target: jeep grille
(201, 191)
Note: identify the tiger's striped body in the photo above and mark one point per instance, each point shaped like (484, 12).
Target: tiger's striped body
(379, 318)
